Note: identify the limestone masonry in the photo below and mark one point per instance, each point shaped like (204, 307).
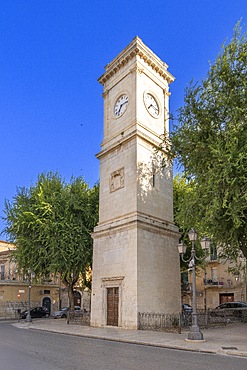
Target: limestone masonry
(135, 257)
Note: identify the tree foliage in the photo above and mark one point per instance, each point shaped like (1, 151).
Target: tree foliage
(184, 217)
(210, 142)
(51, 224)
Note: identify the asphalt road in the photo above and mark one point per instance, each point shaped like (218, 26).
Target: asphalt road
(26, 349)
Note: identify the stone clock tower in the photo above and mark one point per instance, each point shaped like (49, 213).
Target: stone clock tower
(135, 257)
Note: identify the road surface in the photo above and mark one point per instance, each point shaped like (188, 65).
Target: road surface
(26, 349)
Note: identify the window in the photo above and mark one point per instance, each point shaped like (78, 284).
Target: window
(214, 274)
(213, 253)
(153, 180)
(185, 281)
(2, 272)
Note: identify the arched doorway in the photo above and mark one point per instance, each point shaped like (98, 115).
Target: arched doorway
(77, 298)
(46, 302)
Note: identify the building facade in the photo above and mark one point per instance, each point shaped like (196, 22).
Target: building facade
(14, 288)
(221, 281)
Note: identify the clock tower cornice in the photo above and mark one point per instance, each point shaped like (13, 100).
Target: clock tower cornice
(137, 132)
(136, 48)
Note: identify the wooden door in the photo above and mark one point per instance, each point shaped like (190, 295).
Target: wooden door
(112, 306)
(226, 297)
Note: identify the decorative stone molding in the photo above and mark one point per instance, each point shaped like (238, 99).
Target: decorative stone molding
(112, 279)
(137, 69)
(136, 48)
(166, 93)
(117, 180)
(105, 94)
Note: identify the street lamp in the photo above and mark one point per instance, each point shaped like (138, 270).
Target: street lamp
(31, 275)
(194, 333)
(205, 244)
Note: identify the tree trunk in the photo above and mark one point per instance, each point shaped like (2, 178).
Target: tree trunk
(71, 297)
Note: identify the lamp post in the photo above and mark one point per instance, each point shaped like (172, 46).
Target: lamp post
(31, 275)
(194, 333)
(205, 244)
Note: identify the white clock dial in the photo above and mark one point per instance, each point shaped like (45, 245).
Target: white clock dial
(151, 105)
(121, 105)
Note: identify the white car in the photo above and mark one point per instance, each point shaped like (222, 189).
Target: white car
(64, 312)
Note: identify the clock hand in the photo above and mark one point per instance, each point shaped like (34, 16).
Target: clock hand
(121, 106)
(155, 108)
(119, 109)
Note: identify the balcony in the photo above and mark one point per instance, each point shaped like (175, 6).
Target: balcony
(212, 283)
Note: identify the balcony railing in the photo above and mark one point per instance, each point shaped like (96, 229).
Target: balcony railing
(213, 282)
(14, 281)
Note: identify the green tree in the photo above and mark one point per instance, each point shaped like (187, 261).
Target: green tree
(51, 224)
(210, 142)
(184, 217)
(183, 195)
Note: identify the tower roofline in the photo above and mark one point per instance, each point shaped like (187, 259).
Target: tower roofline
(136, 48)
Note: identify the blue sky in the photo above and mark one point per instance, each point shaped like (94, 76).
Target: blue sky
(52, 53)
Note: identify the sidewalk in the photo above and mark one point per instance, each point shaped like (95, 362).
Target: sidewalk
(227, 340)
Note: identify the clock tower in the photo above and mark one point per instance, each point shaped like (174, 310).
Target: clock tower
(135, 257)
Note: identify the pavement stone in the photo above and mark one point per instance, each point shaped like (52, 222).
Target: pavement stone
(225, 340)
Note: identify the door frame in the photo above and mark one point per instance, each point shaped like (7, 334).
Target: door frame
(113, 282)
(226, 297)
(113, 301)
(47, 298)
(77, 295)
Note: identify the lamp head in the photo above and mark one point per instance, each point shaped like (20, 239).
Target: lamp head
(205, 243)
(192, 235)
(181, 248)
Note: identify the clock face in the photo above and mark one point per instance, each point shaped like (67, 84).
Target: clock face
(121, 105)
(151, 105)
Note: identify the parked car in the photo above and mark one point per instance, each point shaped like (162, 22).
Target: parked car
(36, 312)
(235, 309)
(64, 312)
(231, 305)
(186, 308)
